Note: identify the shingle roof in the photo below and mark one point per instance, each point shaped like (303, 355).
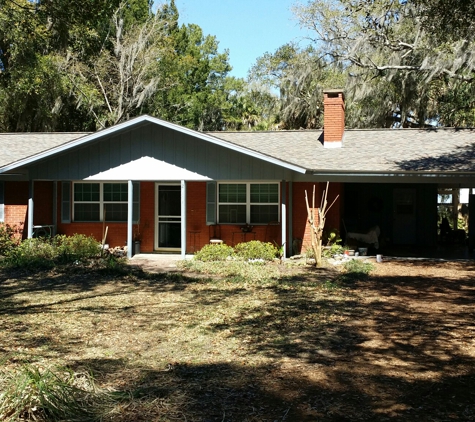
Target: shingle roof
(379, 150)
(18, 146)
(368, 151)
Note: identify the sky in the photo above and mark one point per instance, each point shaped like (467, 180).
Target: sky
(247, 28)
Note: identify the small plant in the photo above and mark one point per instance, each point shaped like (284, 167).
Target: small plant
(333, 250)
(31, 394)
(356, 269)
(219, 252)
(256, 249)
(332, 237)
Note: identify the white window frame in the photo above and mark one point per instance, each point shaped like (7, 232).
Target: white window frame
(101, 201)
(248, 202)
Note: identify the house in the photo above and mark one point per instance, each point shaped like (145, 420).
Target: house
(175, 189)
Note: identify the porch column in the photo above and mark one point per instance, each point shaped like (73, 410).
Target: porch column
(55, 207)
(29, 230)
(284, 218)
(290, 246)
(183, 219)
(130, 209)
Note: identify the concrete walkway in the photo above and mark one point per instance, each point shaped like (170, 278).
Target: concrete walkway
(157, 263)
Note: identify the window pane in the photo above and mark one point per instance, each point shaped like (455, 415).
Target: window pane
(116, 212)
(116, 192)
(263, 214)
(232, 192)
(86, 192)
(86, 212)
(232, 214)
(265, 193)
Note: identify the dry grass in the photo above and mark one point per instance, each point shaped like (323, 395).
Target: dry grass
(298, 346)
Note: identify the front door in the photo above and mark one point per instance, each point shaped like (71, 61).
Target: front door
(168, 225)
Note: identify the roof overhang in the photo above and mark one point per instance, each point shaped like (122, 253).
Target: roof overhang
(148, 119)
(395, 177)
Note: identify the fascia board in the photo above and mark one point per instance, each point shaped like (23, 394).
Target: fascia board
(130, 123)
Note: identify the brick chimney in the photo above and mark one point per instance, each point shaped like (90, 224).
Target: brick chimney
(333, 118)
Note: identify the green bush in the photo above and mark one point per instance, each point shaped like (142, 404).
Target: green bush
(356, 269)
(219, 252)
(8, 237)
(46, 252)
(256, 249)
(76, 247)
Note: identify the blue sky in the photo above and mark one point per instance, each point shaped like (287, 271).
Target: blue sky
(247, 28)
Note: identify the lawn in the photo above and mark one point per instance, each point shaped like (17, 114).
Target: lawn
(300, 345)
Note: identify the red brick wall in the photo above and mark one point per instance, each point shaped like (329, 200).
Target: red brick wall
(16, 200)
(301, 228)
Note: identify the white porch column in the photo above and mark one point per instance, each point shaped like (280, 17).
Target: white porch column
(130, 211)
(183, 219)
(290, 223)
(30, 210)
(55, 208)
(284, 219)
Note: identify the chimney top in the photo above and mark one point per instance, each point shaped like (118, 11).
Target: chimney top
(333, 117)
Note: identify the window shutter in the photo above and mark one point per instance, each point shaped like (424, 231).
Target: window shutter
(211, 203)
(65, 202)
(2, 202)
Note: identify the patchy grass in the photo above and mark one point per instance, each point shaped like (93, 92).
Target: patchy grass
(254, 343)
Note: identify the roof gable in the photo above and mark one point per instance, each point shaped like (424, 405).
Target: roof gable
(81, 140)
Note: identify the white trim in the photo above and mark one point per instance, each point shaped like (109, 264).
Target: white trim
(130, 211)
(136, 121)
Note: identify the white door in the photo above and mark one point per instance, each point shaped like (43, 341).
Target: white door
(168, 220)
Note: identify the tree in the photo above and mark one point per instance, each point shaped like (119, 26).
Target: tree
(199, 97)
(116, 83)
(394, 41)
(299, 76)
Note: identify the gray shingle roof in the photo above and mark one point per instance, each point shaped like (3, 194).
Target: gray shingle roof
(18, 146)
(368, 151)
(379, 150)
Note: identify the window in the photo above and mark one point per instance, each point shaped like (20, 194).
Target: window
(251, 203)
(103, 201)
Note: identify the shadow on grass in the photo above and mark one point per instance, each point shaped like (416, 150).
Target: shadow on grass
(386, 348)
(236, 392)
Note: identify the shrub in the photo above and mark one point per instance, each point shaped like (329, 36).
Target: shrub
(46, 252)
(36, 252)
(356, 269)
(219, 252)
(256, 250)
(9, 237)
(76, 247)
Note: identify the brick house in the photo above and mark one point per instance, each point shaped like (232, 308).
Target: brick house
(174, 188)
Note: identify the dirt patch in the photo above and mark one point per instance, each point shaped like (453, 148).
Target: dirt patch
(306, 347)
